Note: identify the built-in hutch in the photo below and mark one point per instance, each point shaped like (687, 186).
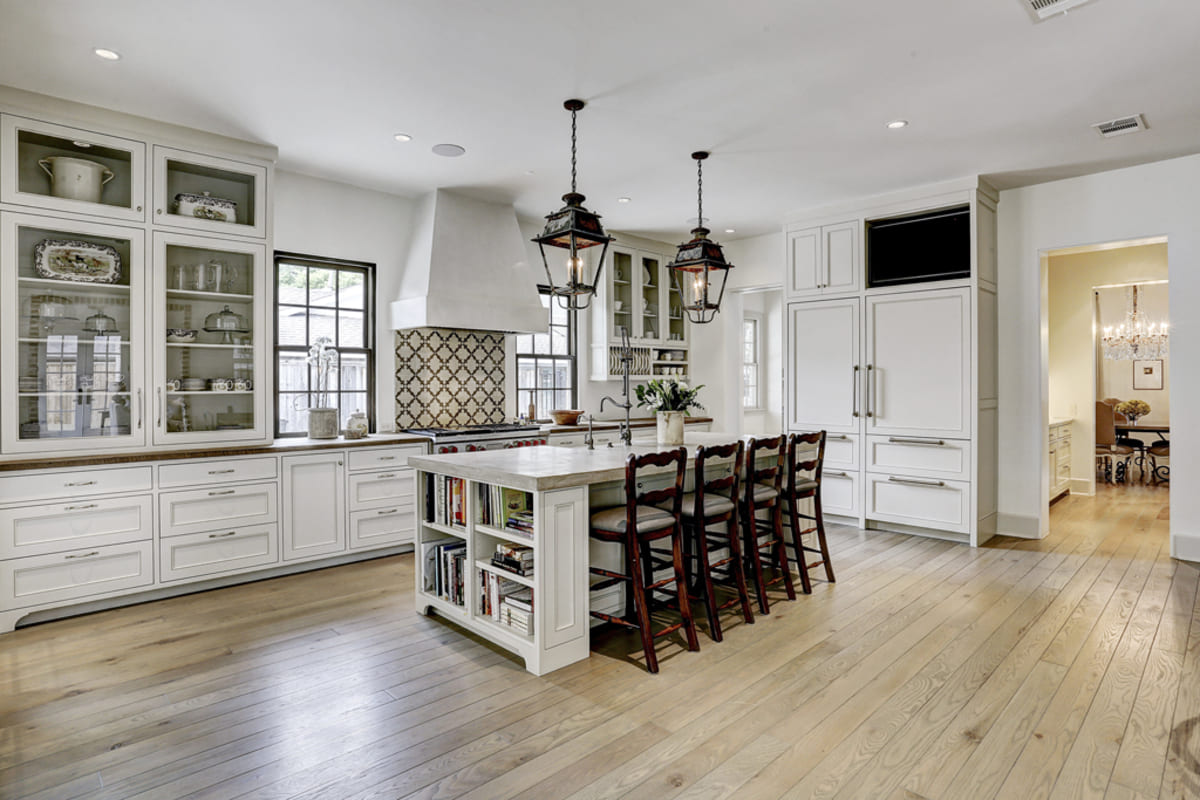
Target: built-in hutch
(637, 294)
(903, 377)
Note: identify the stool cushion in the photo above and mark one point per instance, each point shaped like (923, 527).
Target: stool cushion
(763, 493)
(714, 504)
(649, 519)
(804, 485)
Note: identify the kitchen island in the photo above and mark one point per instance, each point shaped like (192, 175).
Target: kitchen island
(465, 502)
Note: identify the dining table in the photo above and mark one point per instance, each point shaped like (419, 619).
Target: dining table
(1130, 429)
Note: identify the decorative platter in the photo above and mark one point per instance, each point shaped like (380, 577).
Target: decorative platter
(84, 262)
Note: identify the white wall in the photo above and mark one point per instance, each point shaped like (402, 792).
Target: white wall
(1072, 345)
(318, 217)
(1151, 200)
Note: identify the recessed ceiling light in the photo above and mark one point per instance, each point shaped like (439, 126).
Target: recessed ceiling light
(623, 199)
(897, 124)
(402, 137)
(106, 54)
(449, 150)
(730, 230)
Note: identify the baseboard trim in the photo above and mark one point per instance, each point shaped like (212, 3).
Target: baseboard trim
(1022, 526)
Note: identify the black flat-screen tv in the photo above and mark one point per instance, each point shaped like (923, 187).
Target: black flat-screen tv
(932, 246)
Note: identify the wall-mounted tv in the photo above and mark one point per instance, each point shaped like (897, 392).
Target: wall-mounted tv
(931, 246)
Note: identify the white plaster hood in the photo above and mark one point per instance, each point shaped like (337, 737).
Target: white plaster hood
(468, 268)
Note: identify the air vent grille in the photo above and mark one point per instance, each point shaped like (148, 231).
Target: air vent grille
(1117, 127)
(1044, 9)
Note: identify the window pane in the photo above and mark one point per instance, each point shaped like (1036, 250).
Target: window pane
(351, 331)
(351, 402)
(351, 292)
(293, 372)
(524, 343)
(293, 412)
(545, 402)
(562, 398)
(558, 314)
(558, 341)
(353, 373)
(525, 373)
(545, 375)
(293, 284)
(322, 286)
(292, 324)
(541, 344)
(321, 323)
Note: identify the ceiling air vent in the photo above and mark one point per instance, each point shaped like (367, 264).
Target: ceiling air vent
(1116, 127)
(1044, 9)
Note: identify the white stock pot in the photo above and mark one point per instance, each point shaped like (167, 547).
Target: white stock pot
(76, 178)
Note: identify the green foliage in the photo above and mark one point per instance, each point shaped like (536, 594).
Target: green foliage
(667, 394)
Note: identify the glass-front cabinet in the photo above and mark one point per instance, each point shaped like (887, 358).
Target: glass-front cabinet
(634, 299)
(209, 194)
(65, 169)
(73, 335)
(207, 339)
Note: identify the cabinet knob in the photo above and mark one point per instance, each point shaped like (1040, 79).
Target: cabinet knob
(158, 211)
(139, 208)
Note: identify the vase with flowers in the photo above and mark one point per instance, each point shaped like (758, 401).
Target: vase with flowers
(1133, 410)
(322, 419)
(671, 400)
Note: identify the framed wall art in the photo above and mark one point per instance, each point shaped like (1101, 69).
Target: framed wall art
(1148, 374)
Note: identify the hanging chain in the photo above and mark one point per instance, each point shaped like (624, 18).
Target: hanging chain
(573, 112)
(699, 193)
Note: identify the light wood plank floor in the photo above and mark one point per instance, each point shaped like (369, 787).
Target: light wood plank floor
(1068, 667)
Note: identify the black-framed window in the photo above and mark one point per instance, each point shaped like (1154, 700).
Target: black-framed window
(546, 366)
(314, 298)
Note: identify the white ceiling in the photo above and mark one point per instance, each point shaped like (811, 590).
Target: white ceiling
(791, 96)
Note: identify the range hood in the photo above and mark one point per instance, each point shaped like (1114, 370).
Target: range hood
(468, 269)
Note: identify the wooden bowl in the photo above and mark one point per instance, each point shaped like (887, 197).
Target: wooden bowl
(565, 417)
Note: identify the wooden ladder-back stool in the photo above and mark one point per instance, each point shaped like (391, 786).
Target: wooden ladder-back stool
(805, 455)
(763, 491)
(714, 502)
(634, 526)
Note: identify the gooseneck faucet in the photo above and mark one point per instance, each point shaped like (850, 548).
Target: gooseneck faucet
(626, 362)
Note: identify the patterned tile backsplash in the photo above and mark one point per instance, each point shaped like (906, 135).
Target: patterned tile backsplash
(447, 378)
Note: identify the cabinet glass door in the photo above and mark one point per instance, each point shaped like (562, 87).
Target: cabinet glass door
(73, 335)
(621, 298)
(649, 273)
(676, 319)
(204, 193)
(69, 169)
(208, 339)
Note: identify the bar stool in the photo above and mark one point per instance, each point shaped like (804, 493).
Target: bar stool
(800, 449)
(714, 502)
(634, 526)
(763, 492)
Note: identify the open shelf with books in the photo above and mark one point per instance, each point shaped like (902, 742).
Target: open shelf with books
(487, 551)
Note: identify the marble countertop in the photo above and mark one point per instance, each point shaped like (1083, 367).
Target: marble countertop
(542, 468)
(608, 425)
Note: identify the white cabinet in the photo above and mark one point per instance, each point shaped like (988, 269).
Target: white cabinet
(199, 510)
(824, 380)
(59, 168)
(196, 555)
(918, 370)
(206, 193)
(53, 527)
(920, 502)
(1060, 459)
(314, 505)
(824, 259)
(75, 575)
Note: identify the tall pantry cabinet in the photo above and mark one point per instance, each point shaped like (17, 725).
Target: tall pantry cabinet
(903, 378)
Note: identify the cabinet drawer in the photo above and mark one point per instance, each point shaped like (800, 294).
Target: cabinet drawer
(382, 457)
(375, 489)
(44, 485)
(203, 510)
(919, 455)
(1062, 455)
(841, 451)
(567, 439)
(197, 554)
(926, 503)
(78, 574)
(36, 530)
(234, 470)
(839, 492)
(383, 526)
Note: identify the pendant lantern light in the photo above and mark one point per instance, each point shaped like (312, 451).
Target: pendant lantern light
(573, 228)
(700, 268)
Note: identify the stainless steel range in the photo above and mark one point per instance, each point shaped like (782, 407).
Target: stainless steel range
(471, 438)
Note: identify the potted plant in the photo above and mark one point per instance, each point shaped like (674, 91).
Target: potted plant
(1133, 409)
(671, 400)
(322, 419)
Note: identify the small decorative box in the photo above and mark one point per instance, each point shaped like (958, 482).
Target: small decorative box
(205, 206)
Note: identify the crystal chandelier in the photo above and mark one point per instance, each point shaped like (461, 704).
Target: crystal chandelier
(1135, 338)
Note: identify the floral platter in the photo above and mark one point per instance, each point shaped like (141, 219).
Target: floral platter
(68, 260)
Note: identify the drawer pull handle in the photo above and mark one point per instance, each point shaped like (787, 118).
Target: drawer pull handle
(223, 491)
(838, 474)
(222, 535)
(914, 440)
(385, 475)
(387, 511)
(80, 508)
(916, 482)
(221, 471)
(386, 458)
(85, 555)
(80, 483)
(841, 437)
